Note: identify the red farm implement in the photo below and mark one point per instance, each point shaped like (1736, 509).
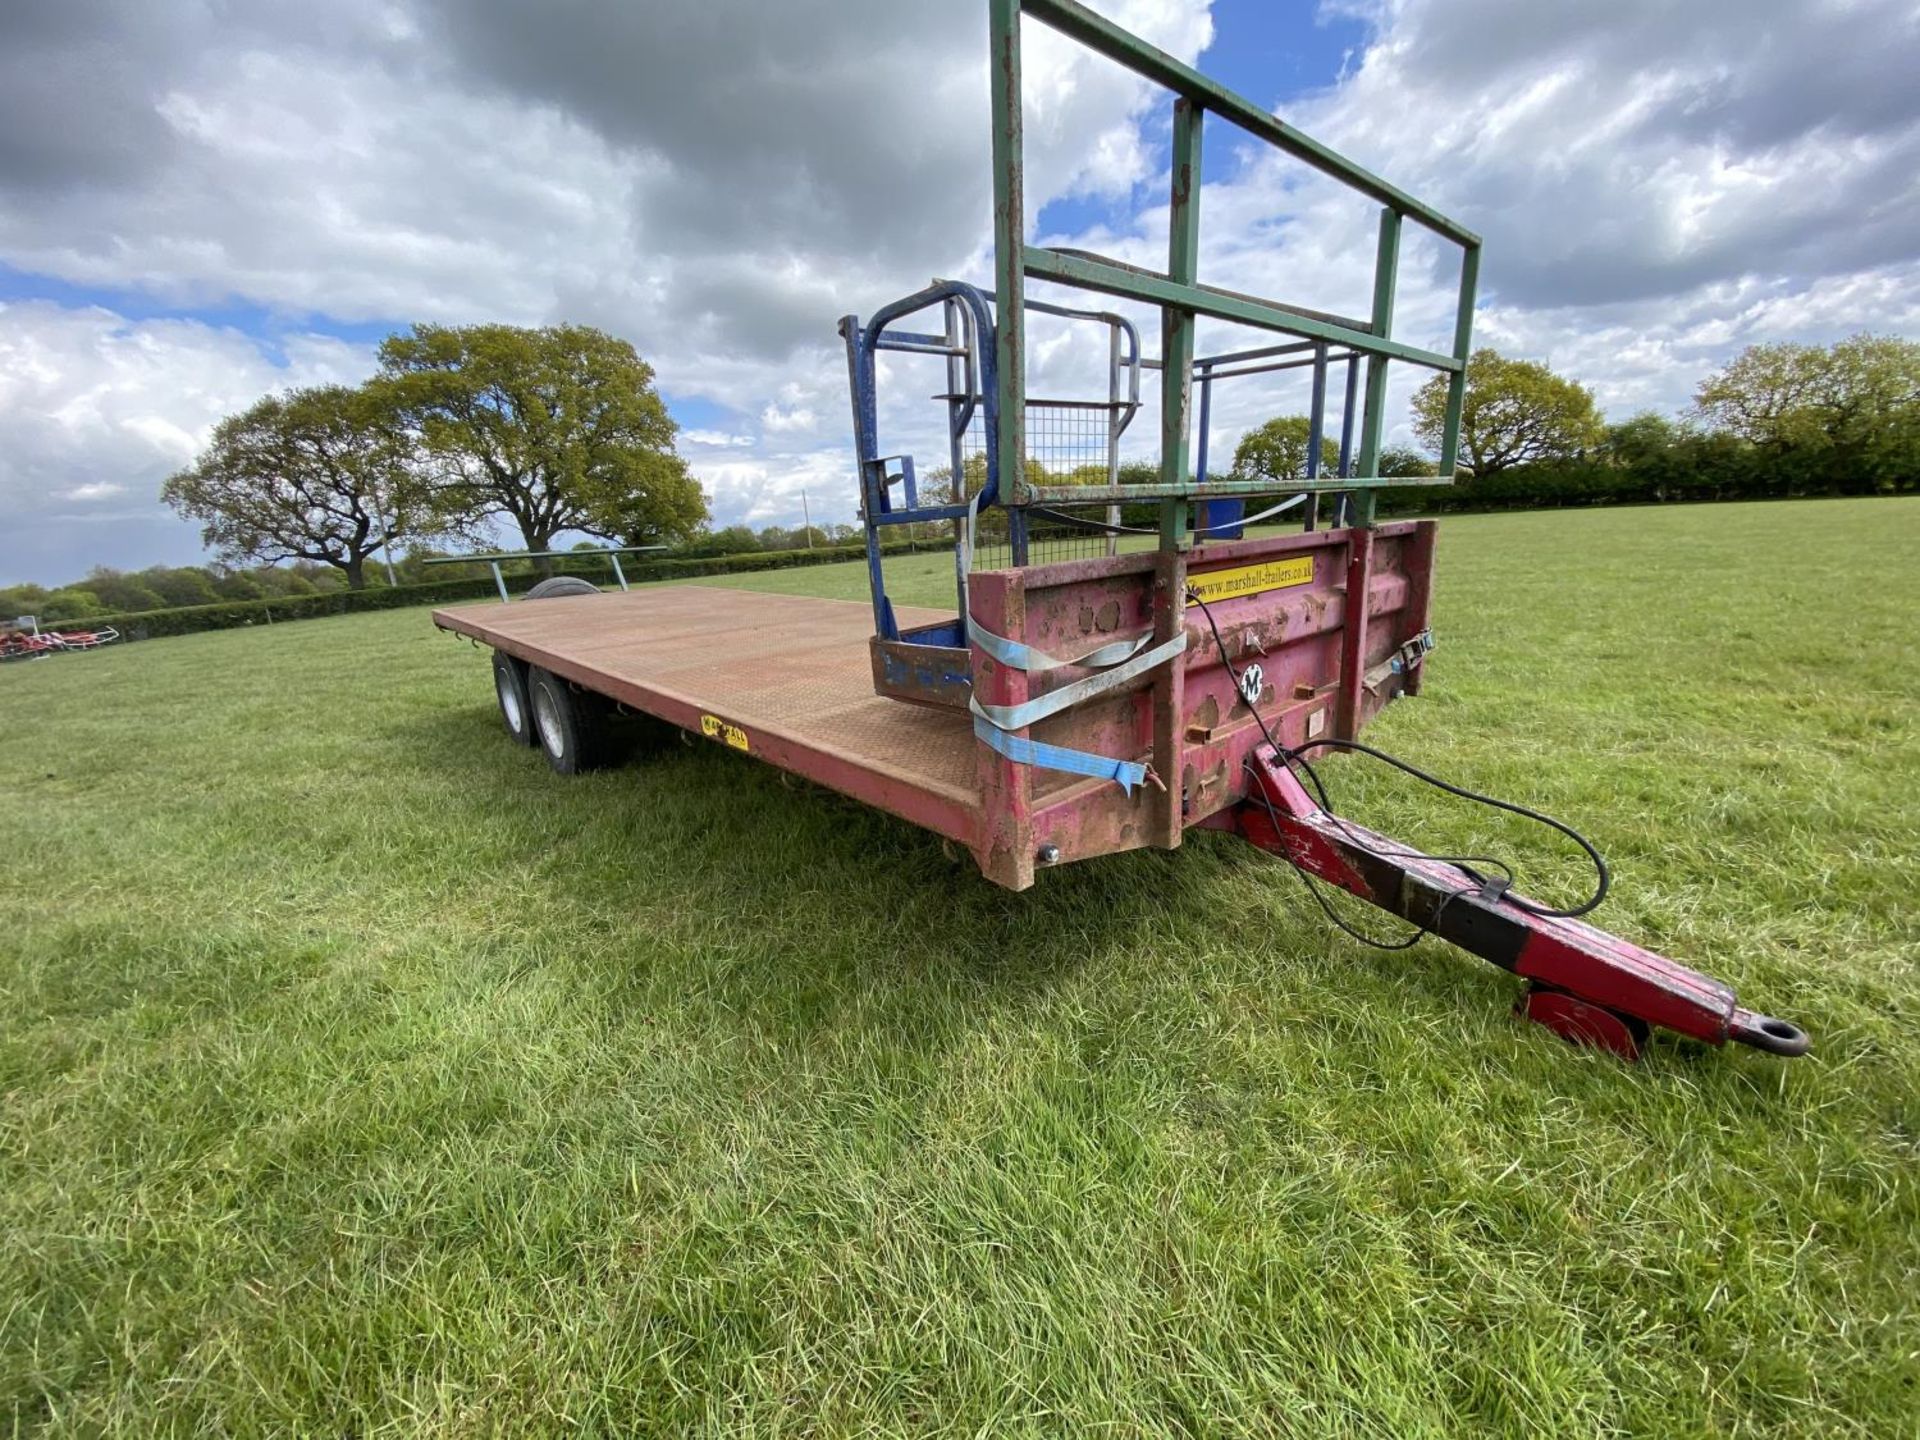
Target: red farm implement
(1123, 662)
(25, 640)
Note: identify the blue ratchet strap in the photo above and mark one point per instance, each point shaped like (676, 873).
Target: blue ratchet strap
(1019, 655)
(993, 723)
(1018, 717)
(1022, 751)
(1025, 657)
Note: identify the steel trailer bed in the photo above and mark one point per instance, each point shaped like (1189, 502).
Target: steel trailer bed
(788, 673)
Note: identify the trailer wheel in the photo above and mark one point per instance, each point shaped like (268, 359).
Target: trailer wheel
(561, 585)
(571, 727)
(510, 686)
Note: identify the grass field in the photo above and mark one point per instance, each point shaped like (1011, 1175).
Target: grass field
(362, 1078)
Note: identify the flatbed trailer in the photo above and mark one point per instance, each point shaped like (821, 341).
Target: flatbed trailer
(791, 680)
(1082, 700)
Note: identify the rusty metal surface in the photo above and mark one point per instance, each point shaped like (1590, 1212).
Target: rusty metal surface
(791, 671)
(1297, 635)
(1006, 849)
(1168, 703)
(922, 674)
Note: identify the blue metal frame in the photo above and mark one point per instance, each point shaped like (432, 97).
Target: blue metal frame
(1219, 516)
(969, 347)
(962, 302)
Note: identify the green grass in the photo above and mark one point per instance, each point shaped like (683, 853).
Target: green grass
(362, 1078)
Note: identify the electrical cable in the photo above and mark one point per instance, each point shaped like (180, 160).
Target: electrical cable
(1295, 758)
(1405, 943)
(1603, 877)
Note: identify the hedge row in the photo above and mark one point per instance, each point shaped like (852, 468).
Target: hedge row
(188, 619)
(1697, 469)
(1573, 482)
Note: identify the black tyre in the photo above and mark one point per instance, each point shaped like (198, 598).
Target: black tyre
(570, 726)
(510, 687)
(561, 585)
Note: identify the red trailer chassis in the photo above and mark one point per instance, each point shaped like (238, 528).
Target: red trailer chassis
(1282, 651)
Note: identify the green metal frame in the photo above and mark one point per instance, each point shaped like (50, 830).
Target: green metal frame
(1178, 292)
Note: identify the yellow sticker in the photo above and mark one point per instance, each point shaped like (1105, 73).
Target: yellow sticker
(714, 728)
(1252, 579)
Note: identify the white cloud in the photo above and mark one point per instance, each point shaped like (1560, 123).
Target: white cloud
(1658, 186)
(96, 411)
(93, 490)
(778, 421)
(718, 183)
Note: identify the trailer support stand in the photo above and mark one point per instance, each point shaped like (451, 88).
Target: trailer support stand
(1586, 985)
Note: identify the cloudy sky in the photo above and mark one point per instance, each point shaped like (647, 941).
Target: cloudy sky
(205, 200)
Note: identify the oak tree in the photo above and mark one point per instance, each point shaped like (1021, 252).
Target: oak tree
(1403, 461)
(1278, 450)
(554, 430)
(1850, 410)
(1515, 412)
(320, 475)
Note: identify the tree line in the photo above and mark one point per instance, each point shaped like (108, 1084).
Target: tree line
(1780, 420)
(462, 429)
(557, 430)
(107, 591)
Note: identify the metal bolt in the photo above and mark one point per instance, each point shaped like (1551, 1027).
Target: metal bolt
(1047, 855)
